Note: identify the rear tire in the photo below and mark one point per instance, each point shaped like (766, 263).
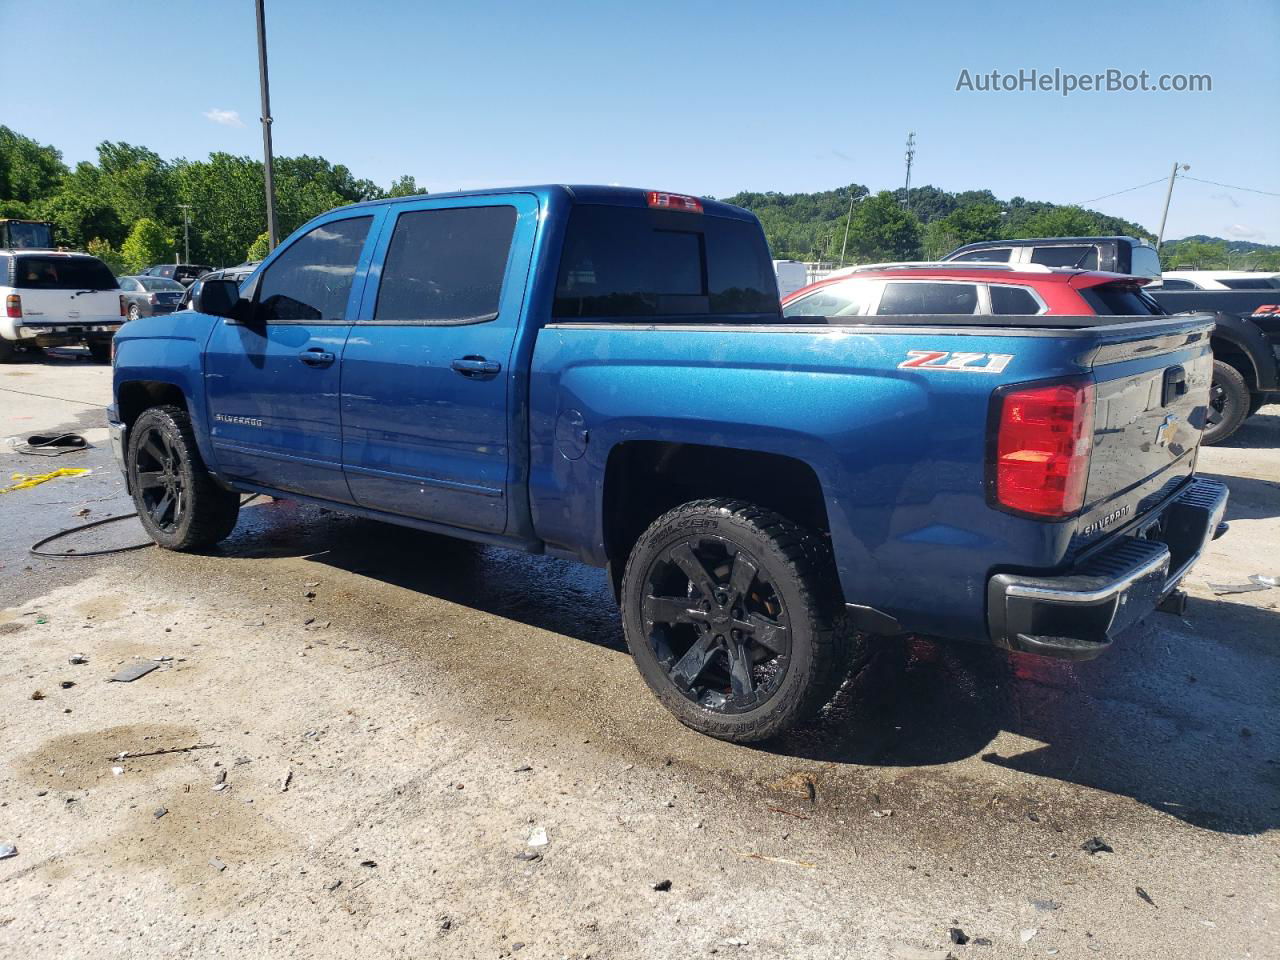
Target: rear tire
(734, 617)
(7, 350)
(179, 503)
(1229, 400)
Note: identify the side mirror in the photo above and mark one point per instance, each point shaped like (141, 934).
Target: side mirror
(218, 298)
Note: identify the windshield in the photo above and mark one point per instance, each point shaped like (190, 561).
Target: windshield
(63, 273)
(160, 283)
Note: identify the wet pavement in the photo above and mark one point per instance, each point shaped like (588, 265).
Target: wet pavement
(1171, 740)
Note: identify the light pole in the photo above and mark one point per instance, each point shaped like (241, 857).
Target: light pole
(1173, 174)
(848, 220)
(186, 231)
(266, 128)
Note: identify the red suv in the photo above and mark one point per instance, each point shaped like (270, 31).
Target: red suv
(978, 288)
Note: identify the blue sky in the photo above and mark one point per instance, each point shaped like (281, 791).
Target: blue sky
(706, 98)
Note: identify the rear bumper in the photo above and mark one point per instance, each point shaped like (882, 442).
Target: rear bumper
(59, 334)
(1077, 615)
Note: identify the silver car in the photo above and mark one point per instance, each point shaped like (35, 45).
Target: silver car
(147, 296)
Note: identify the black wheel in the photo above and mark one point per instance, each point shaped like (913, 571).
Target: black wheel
(133, 312)
(1229, 401)
(7, 350)
(100, 351)
(179, 504)
(733, 616)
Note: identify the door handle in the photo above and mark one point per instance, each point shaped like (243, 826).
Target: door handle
(477, 368)
(316, 357)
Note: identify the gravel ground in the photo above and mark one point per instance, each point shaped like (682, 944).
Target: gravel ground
(376, 726)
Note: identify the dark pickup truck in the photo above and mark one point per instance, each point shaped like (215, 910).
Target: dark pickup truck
(605, 374)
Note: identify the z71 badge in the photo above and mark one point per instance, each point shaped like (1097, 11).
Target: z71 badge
(955, 362)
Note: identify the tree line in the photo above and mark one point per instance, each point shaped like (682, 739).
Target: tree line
(127, 208)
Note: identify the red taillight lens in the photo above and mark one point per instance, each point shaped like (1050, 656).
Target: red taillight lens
(13, 307)
(1043, 442)
(124, 307)
(674, 201)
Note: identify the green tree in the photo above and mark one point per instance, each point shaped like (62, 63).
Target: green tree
(1063, 222)
(259, 249)
(29, 172)
(103, 250)
(405, 186)
(967, 224)
(882, 230)
(148, 243)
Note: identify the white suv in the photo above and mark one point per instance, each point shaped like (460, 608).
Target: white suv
(53, 299)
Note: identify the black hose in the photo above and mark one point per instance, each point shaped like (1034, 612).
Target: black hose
(35, 550)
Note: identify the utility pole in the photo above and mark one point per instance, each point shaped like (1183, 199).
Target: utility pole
(268, 172)
(1173, 174)
(186, 231)
(911, 155)
(848, 220)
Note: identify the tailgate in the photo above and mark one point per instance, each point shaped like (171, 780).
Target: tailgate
(1152, 397)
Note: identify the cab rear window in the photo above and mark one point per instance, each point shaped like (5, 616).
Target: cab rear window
(62, 273)
(1120, 300)
(621, 262)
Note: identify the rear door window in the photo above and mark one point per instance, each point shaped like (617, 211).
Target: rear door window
(1120, 300)
(1249, 283)
(904, 297)
(311, 280)
(446, 266)
(1082, 256)
(1013, 301)
(621, 262)
(998, 255)
(63, 273)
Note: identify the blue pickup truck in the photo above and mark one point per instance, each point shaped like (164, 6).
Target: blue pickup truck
(604, 374)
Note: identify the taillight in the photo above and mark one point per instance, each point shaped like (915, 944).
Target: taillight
(1042, 444)
(13, 307)
(674, 201)
(124, 307)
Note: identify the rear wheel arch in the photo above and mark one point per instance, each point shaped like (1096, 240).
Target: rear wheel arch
(646, 478)
(1233, 354)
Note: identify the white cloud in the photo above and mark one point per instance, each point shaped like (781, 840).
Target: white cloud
(1240, 231)
(228, 118)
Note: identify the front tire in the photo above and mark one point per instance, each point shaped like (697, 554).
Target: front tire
(733, 615)
(1229, 400)
(178, 502)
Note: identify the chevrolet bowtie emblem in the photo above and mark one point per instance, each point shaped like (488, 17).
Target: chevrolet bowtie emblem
(1165, 429)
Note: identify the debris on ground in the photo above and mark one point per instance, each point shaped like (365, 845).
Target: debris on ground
(798, 816)
(1045, 905)
(117, 771)
(333, 885)
(37, 695)
(538, 837)
(1028, 934)
(67, 684)
(369, 863)
(286, 780)
(221, 778)
(1145, 896)
(1096, 845)
(981, 941)
(217, 864)
(159, 812)
(529, 856)
(135, 670)
(23, 481)
(445, 921)
(958, 936)
(1222, 589)
(880, 814)
(524, 769)
(7, 850)
(1264, 581)
(734, 942)
(77, 658)
(662, 886)
(131, 755)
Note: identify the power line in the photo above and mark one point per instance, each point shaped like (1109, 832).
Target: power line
(1125, 190)
(1232, 186)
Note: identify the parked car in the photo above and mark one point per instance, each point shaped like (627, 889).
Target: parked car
(238, 274)
(150, 295)
(994, 289)
(184, 273)
(55, 299)
(1127, 255)
(1216, 280)
(1248, 330)
(605, 374)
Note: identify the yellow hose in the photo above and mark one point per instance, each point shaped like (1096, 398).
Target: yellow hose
(23, 480)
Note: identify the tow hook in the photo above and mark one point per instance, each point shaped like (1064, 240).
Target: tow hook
(1175, 603)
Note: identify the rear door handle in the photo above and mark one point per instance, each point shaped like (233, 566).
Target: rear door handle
(316, 357)
(478, 368)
